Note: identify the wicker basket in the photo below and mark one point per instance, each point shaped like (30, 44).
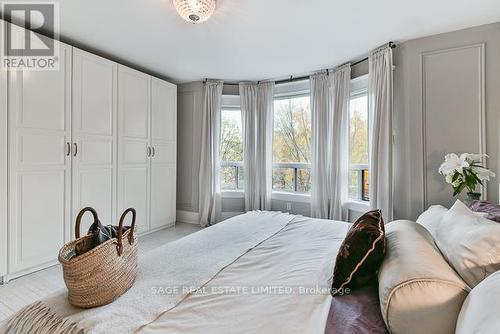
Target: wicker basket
(101, 275)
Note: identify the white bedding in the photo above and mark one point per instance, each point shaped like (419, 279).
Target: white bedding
(268, 274)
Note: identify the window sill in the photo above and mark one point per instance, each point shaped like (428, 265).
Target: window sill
(360, 206)
(291, 197)
(232, 194)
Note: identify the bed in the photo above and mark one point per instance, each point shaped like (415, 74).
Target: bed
(261, 272)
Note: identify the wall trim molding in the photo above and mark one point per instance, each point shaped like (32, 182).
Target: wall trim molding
(481, 109)
(188, 217)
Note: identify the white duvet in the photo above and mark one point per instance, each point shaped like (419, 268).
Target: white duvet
(255, 273)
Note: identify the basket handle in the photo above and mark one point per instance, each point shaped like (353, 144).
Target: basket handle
(119, 245)
(79, 219)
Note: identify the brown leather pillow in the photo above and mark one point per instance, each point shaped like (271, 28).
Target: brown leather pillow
(361, 254)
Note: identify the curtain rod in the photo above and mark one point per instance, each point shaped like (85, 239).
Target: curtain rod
(392, 45)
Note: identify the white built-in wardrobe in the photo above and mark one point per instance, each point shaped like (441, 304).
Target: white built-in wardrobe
(94, 133)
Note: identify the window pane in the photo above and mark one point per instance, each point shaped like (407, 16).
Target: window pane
(283, 179)
(231, 150)
(228, 178)
(292, 130)
(358, 130)
(241, 178)
(303, 180)
(231, 138)
(354, 184)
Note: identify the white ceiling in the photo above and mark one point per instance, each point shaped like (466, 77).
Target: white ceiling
(259, 39)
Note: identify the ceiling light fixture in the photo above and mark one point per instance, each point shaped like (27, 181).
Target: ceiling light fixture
(195, 11)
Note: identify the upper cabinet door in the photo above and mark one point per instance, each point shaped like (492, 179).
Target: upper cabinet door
(134, 96)
(164, 156)
(94, 136)
(40, 167)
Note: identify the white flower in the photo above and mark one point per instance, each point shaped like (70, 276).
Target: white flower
(475, 157)
(483, 173)
(453, 162)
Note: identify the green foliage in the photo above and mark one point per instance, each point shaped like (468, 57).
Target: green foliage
(467, 180)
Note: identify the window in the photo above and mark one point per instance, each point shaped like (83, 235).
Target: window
(292, 144)
(359, 176)
(231, 150)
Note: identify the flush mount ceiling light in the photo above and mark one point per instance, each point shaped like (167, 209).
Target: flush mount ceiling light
(195, 11)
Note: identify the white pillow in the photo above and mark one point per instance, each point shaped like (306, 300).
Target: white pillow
(479, 313)
(469, 242)
(431, 218)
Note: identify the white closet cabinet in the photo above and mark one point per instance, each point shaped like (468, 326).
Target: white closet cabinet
(93, 133)
(39, 105)
(147, 111)
(134, 117)
(164, 153)
(94, 136)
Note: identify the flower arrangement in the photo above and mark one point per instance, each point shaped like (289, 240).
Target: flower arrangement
(465, 172)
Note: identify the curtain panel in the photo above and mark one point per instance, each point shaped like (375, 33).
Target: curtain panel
(209, 186)
(380, 105)
(330, 96)
(257, 100)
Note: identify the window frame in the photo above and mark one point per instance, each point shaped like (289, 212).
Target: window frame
(286, 91)
(231, 102)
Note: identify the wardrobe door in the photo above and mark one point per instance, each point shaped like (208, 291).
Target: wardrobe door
(163, 161)
(134, 98)
(39, 165)
(94, 137)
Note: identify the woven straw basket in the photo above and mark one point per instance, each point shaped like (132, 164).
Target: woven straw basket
(101, 275)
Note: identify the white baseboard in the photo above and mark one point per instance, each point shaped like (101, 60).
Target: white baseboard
(187, 217)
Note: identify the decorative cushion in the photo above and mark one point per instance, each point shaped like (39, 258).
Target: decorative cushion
(361, 253)
(479, 313)
(419, 292)
(469, 243)
(491, 210)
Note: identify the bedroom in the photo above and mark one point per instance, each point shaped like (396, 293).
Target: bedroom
(198, 127)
